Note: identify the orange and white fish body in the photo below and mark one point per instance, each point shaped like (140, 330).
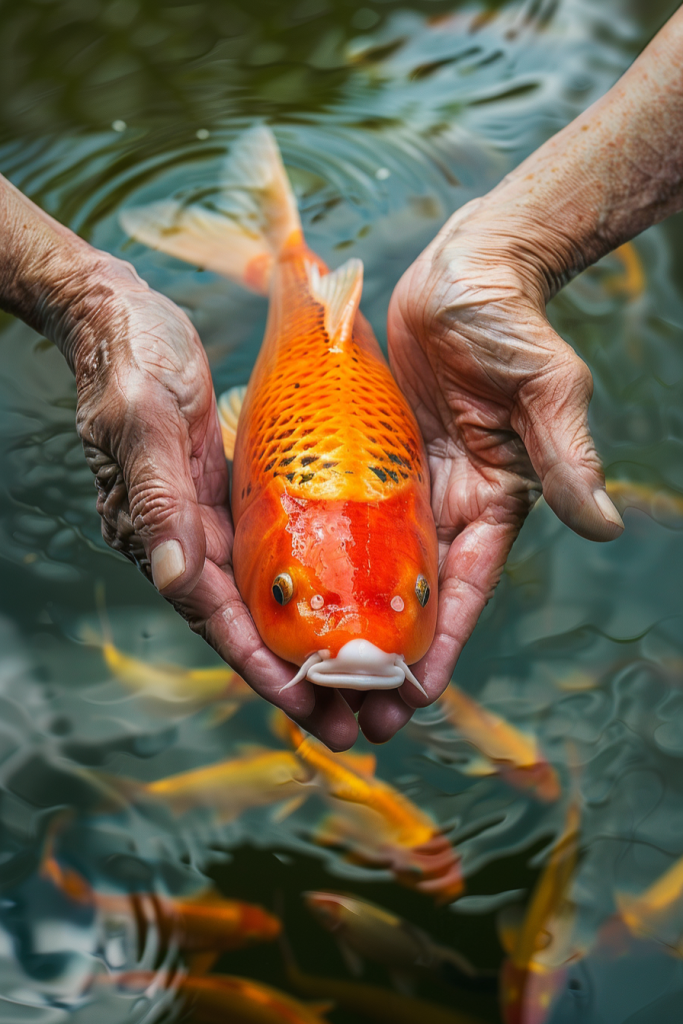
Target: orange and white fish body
(335, 544)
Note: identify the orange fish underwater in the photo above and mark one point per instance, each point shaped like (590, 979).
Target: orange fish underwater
(335, 544)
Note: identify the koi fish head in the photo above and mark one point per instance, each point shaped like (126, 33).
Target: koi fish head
(346, 590)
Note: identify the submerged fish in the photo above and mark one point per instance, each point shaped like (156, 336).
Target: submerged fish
(363, 930)
(377, 823)
(165, 682)
(370, 1001)
(509, 751)
(658, 912)
(540, 948)
(204, 924)
(660, 502)
(226, 999)
(335, 543)
(631, 282)
(233, 786)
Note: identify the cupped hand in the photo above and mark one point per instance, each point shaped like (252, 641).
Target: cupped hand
(502, 403)
(147, 419)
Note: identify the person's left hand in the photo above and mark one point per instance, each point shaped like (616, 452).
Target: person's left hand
(147, 418)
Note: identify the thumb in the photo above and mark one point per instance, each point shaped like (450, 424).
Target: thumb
(164, 509)
(551, 416)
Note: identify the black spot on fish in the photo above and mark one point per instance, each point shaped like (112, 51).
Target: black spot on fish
(378, 472)
(387, 426)
(394, 476)
(297, 385)
(290, 476)
(305, 477)
(329, 465)
(395, 458)
(308, 459)
(270, 465)
(286, 462)
(248, 489)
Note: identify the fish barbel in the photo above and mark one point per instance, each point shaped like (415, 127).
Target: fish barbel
(335, 544)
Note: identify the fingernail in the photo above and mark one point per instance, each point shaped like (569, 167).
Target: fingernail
(168, 563)
(607, 507)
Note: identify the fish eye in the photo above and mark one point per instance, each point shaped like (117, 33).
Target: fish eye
(283, 588)
(422, 590)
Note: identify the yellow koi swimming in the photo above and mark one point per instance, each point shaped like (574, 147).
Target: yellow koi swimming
(513, 754)
(536, 966)
(335, 544)
(229, 788)
(378, 823)
(657, 912)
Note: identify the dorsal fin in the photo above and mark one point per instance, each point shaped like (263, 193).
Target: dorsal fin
(240, 240)
(339, 292)
(229, 408)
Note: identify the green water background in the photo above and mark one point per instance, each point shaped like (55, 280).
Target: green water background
(106, 105)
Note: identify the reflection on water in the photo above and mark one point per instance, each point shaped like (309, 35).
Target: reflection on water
(157, 823)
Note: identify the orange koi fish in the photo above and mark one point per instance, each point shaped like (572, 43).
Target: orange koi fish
(513, 754)
(335, 544)
(226, 999)
(540, 950)
(379, 824)
(202, 924)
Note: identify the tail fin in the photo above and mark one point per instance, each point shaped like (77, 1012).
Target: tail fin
(240, 241)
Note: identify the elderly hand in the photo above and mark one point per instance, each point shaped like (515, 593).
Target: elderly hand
(501, 399)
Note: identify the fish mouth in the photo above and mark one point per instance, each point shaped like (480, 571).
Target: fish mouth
(359, 665)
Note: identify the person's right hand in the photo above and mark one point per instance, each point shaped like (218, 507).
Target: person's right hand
(147, 418)
(502, 403)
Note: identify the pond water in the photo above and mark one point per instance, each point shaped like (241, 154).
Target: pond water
(390, 114)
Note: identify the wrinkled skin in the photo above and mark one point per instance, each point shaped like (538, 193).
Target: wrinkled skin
(502, 402)
(501, 399)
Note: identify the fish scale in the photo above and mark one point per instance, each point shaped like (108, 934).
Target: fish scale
(318, 414)
(335, 551)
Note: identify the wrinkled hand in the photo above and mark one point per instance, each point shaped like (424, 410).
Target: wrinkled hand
(147, 418)
(502, 403)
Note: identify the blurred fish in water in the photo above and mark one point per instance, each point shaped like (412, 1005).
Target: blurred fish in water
(631, 282)
(657, 913)
(203, 926)
(378, 824)
(364, 930)
(660, 502)
(335, 542)
(256, 778)
(226, 999)
(507, 750)
(370, 1001)
(540, 946)
(192, 688)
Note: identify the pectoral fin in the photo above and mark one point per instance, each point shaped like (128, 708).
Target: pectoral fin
(229, 408)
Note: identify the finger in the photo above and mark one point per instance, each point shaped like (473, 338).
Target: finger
(382, 715)
(331, 720)
(551, 416)
(164, 509)
(468, 577)
(215, 609)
